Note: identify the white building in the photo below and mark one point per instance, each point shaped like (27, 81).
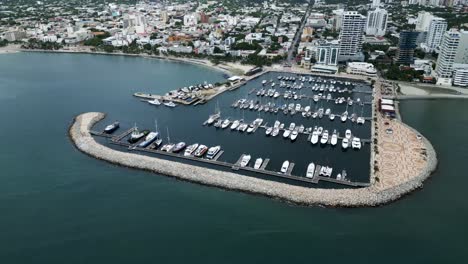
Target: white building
(424, 20)
(327, 52)
(454, 49)
(460, 75)
(190, 20)
(375, 3)
(361, 68)
(351, 35)
(337, 19)
(377, 22)
(436, 31)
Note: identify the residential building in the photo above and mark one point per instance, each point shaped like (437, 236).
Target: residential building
(375, 3)
(407, 44)
(436, 31)
(454, 49)
(327, 52)
(361, 68)
(423, 21)
(351, 35)
(377, 22)
(15, 35)
(460, 75)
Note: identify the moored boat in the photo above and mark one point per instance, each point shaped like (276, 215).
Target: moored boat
(258, 163)
(201, 150)
(179, 147)
(310, 170)
(285, 166)
(111, 128)
(212, 152)
(190, 149)
(245, 160)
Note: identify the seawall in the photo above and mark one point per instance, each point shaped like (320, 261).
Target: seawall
(369, 196)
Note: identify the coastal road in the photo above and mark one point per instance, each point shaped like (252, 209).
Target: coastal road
(297, 37)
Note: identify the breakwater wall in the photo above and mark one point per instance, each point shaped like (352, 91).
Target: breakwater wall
(369, 196)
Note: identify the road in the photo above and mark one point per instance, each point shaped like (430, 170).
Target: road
(297, 37)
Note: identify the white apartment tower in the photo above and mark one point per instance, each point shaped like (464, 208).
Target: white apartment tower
(377, 22)
(454, 49)
(423, 21)
(437, 28)
(352, 34)
(375, 3)
(327, 52)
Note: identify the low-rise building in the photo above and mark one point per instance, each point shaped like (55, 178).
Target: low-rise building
(361, 68)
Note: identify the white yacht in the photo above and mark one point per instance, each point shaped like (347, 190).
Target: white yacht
(212, 152)
(251, 128)
(154, 102)
(328, 111)
(310, 170)
(332, 117)
(258, 163)
(348, 134)
(245, 160)
(225, 123)
(315, 137)
(360, 120)
(264, 82)
(344, 117)
(235, 124)
(356, 143)
(345, 143)
(275, 132)
(190, 149)
(294, 134)
(285, 166)
(268, 131)
(286, 133)
(324, 139)
(334, 138)
(170, 104)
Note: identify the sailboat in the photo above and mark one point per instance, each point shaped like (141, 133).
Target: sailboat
(169, 146)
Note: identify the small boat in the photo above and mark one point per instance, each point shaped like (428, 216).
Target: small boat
(156, 144)
(334, 138)
(170, 104)
(356, 143)
(250, 128)
(212, 152)
(344, 117)
(190, 149)
(225, 123)
(268, 131)
(168, 147)
(320, 130)
(154, 102)
(310, 170)
(179, 147)
(332, 117)
(348, 134)
(245, 160)
(235, 124)
(315, 137)
(360, 120)
(286, 133)
(111, 128)
(294, 134)
(242, 127)
(137, 135)
(285, 166)
(201, 150)
(324, 139)
(150, 138)
(275, 131)
(345, 143)
(258, 163)
(328, 111)
(264, 82)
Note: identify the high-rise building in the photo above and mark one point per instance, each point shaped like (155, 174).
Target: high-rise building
(454, 49)
(377, 22)
(423, 21)
(164, 16)
(375, 3)
(327, 52)
(351, 35)
(407, 44)
(436, 31)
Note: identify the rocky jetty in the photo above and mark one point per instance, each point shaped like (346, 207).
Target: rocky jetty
(369, 196)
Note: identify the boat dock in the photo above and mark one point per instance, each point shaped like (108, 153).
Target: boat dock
(236, 166)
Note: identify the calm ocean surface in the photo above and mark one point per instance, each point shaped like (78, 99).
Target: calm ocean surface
(60, 206)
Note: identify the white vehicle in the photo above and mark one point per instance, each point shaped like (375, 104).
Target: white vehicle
(258, 163)
(245, 160)
(345, 143)
(356, 143)
(285, 166)
(310, 170)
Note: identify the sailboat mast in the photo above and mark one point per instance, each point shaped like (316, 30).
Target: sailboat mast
(168, 138)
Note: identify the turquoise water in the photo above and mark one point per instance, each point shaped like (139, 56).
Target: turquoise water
(60, 206)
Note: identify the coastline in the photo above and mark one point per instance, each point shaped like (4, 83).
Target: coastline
(374, 195)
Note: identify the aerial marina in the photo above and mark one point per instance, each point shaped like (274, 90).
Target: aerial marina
(302, 130)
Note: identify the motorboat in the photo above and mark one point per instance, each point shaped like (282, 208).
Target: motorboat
(275, 131)
(328, 111)
(111, 128)
(150, 138)
(332, 117)
(190, 149)
(326, 171)
(344, 117)
(292, 126)
(245, 160)
(334, 138)
(320, 130)
(136, 135)
(225, 123)
(285, 166)
(258, 163)
(310, 170)
(294, 134)
(235, 124)
(200, 151)
(168, 147)
(179, 147)
(268, 131)
(324, 139)
(170, 104)
(348, 134)
(250, 128)
(156, 144)
(286, 133)
(264, 82)
(356, 143)
(345, 143)
(360, 120)
(242, 127)
(315, 137)
(212, 152)
(154, 102)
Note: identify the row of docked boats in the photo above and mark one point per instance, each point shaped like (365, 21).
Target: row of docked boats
(239, 125)
(312, 79)
(319, 134)
(158, 102)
